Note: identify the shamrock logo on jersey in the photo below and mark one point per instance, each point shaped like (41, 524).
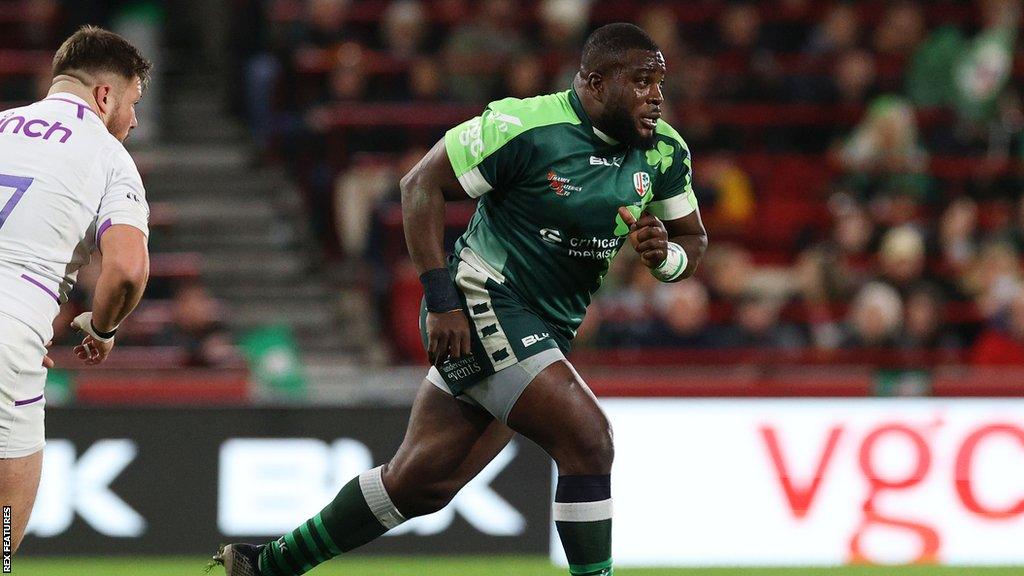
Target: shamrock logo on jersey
(661, 156)
(621, 228)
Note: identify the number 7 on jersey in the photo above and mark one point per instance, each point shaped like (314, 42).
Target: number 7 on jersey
(20, 185)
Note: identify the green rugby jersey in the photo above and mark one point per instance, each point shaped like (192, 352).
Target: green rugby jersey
(548, 224)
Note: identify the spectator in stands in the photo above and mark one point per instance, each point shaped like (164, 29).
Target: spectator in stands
(900, 30)
(853, 234)
(197, 327)
(1002, 343)
(838, 32)
(970, 75)
(404, 29)
(729, 270)
(875, 318)
(683, 318)
(853, 78)
(1013, 232)
(628, 310)
(757, 325)
(924, 327)
(883, 158)
(347, 81)
(479, 49)
(425, 82)
(524, 78)
(563, 22)
(562, 25)
(326, 24)
(819, 282)
(738, 42)
(38, 30)
(958, 235)
(692, 92)
(725, 193)
(994, 278)
(902, 259)
(836, 35)
(661, 24)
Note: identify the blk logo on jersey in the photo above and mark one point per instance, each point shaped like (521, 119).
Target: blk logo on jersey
(595, 161)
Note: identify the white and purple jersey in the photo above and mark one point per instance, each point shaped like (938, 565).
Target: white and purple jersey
(64, 179)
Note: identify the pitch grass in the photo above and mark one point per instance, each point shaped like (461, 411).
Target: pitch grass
(448, 566)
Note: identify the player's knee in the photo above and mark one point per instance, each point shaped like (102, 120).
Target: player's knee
(592, 452)
(414, 494)
(429, 498)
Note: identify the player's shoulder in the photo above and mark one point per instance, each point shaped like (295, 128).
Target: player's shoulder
(534, 112)
(666, 133)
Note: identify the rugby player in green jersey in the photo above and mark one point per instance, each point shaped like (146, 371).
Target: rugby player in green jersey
(563, 180)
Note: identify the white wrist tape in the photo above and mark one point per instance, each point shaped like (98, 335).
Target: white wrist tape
(674, 264)
(83, 322)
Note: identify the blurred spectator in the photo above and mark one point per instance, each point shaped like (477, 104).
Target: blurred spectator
(969, 74)
(902, 259)
(853, 78)
(425, 82)
(404, 29)
(729, 271)
(347, 81)
(739, 28)
(994, 278)
(683, 318)
(756, 324)
(481, 47)
(900, 30)
(1013, 232)
(984, 67)
(363, 196)
(838, 32)
(739, 43)
(326, 24)
(883, 157)
(1003, 342)
(853, 232)
(725, 193)
(563, 24)
(524, 78)
(924, 326)
(820, 281)
(875, 318)
(660, 22)
(627, 311)
(958, 234)
(197, 327)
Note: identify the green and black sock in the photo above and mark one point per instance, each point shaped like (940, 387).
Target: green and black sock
(361, 512)
(583, 517)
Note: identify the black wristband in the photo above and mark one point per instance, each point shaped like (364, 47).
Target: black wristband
(103, 335)
(439, 291)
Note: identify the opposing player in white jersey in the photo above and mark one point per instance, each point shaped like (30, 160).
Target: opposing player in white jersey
(67, 186)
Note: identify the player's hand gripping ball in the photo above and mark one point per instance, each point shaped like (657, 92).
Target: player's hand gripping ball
(648, 237)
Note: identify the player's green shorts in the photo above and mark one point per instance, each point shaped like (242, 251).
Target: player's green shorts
(503, 331)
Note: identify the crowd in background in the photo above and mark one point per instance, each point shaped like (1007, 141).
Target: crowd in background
(858, 164)
(872, 249)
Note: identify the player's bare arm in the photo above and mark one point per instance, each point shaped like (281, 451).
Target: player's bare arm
(424, 191)
(123, 276)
